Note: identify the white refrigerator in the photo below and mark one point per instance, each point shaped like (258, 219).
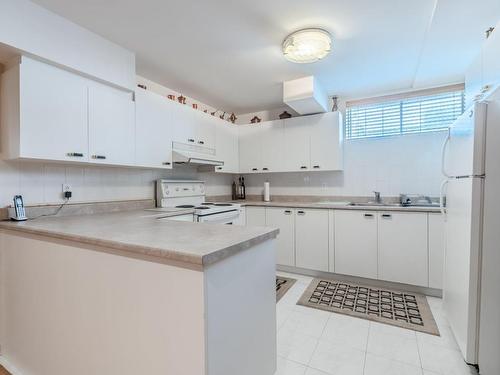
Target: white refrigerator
(471, 154)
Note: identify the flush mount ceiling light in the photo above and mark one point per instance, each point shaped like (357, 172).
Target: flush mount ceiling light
(307, 45)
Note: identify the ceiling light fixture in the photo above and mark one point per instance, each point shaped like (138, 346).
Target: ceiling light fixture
(307, 45)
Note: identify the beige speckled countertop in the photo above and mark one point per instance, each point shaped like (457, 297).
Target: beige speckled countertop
(339, 206)
(139, 233)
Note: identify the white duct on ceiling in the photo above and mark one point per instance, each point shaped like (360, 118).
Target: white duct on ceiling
(305, 96)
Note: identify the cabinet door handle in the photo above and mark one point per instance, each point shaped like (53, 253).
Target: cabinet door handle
(368, 215)
(316, 167)
(288, 212)
(191, 140)
(386, 216)
(100, 157)
(255, 169)
(75, 154)
(303, 167)
(201, 142)
(219, 168)
(301, 213)
(166, 163)
(265, 169)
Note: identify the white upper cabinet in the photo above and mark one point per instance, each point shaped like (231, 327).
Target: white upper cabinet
(296, 144)
(484, 70)
(226, 146)
(205, 129)
(271, 139)
(184, 122)
(250, 148)
(326, 142)
(192, 126)
(402, 248)
(153, 130)
(307, 143)
(111, 126)
(44, 113)
(491, 59)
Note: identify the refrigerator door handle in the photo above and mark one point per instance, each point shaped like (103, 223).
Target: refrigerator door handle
(441, 197)
(443, 154)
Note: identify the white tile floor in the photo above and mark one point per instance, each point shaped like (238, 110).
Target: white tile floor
(315, 342)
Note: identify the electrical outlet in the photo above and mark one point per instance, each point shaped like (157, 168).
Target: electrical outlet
(66, 187)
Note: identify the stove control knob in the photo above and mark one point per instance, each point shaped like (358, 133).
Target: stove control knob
(167, 192)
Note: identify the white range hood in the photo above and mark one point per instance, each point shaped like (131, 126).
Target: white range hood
(305, 96)
(183, 153)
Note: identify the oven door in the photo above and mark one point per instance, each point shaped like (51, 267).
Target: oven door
(228, 217)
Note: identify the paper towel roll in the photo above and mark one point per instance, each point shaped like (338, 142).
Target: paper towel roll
(267, 194)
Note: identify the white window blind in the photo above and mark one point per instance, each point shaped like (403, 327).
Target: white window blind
(403, 115)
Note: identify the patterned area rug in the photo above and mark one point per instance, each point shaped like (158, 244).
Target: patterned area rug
(402, 309)
(283, 284)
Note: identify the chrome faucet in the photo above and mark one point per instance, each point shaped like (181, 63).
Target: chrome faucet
(377, 197)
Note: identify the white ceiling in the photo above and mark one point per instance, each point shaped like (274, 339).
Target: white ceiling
(227, 53)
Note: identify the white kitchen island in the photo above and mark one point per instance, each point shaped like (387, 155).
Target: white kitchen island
(125, 293)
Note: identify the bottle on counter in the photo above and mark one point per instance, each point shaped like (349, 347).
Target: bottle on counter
(234, 194)
(243, 188)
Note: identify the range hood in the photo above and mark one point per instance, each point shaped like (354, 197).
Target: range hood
(194, 155)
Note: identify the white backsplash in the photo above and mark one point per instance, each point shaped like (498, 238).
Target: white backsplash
(392, 165)
(41, 183)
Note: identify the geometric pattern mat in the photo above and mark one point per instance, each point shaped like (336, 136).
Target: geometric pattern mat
(402, 309)
(283, 284)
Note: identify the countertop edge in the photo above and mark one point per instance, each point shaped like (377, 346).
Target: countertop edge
(340, 207)
(159, 255)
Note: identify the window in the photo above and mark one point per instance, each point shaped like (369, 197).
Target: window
(410, 113)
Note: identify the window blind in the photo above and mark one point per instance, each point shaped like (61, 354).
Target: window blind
(404, 115)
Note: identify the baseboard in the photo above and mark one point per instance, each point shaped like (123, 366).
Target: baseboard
(8, 366)
(362, 280)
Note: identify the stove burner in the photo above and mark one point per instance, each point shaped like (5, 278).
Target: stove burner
(208, 204)
(223, 204)
(202, 208)
(185, 206)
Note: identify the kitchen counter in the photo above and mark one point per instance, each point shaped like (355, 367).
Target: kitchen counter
(139, 233)
(162, 294)
(339, 206)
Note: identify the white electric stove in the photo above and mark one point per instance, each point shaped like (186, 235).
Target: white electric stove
(183, 194)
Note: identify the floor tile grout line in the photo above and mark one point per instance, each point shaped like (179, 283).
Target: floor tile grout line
(366, 346)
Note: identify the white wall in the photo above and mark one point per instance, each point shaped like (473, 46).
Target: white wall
(35, 30)
(41, 183)
(402, 164)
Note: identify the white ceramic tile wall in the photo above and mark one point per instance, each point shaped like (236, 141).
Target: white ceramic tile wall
(404, 164)
(41, 183)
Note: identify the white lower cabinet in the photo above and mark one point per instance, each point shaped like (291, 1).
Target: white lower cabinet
(356, 243)
(436, 250)
(311, 239)
(255, 216)
(283, 218)
(402, 247)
